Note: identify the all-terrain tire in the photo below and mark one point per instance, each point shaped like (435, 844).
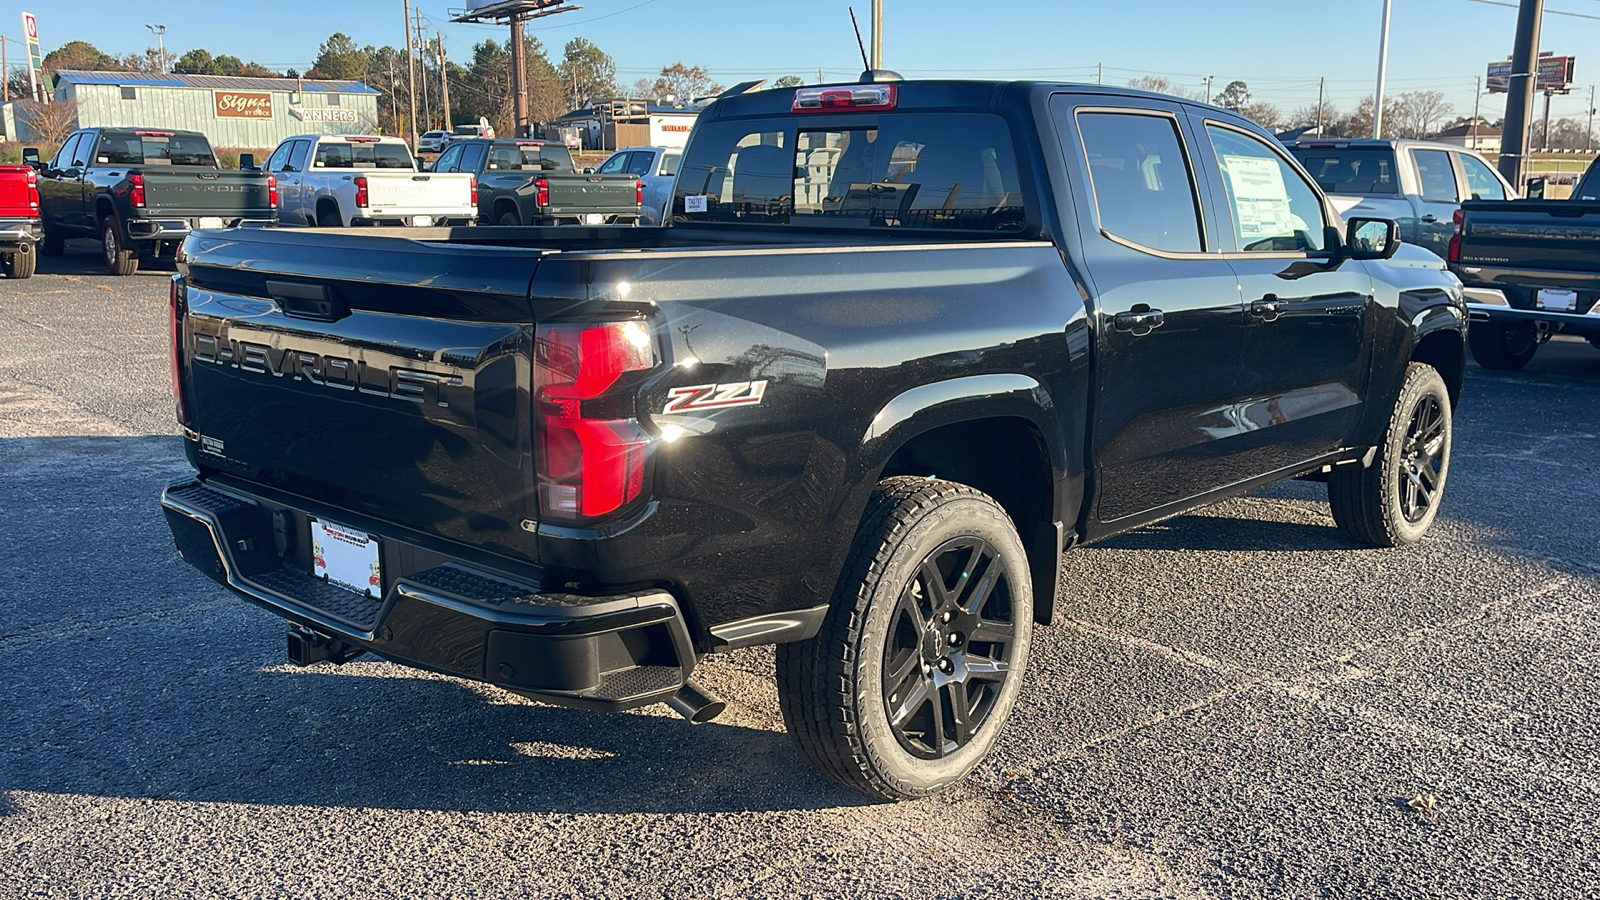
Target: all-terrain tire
(1393, 501)
(22, 263)
(922, 546)
(1502, 347)
(120, 260)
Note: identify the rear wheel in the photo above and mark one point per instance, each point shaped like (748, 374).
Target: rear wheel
(1393, 501)
(53, 244)
(1502, 347)
(22, 263)
(508, 217)
(119, 259)
(328, 216)
(919, 663)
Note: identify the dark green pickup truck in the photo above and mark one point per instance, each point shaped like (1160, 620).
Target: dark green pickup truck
(529, 182)
(140, 191)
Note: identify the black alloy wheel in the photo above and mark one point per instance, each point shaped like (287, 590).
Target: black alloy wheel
(1394, 500)
(1421, 469)
(947, 657)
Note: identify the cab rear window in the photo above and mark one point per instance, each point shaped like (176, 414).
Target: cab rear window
(947, 171)
(127, 148)
(1350, 170)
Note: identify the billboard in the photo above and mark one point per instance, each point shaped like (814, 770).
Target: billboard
(1555, 75)
(30, 36)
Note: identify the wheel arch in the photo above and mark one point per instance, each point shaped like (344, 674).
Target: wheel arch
(998, 433)
(1444, 349)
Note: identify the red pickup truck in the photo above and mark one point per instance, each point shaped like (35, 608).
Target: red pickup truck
(19, 220)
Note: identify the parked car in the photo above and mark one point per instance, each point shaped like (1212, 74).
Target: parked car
(331, 181)
(1532, 269)
(1419, 184)
(529, 182)
(471, 131)
(19, 220)
(655, 168)
(904, 343)
(432, 141)
(140, 191)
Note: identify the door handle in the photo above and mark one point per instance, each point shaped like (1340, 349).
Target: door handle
(1266, 308)
(1430, 218)
(1139, 321)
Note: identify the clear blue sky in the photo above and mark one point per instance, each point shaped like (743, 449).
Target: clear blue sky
(1279, 48)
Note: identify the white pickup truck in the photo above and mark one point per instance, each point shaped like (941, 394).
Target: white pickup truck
(340, 180)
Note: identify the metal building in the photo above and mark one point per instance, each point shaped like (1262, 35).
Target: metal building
(251, 113)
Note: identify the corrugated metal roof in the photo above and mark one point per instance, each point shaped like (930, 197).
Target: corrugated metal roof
(210, 82)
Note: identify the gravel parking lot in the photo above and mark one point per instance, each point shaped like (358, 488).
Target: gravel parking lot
(1234, 704)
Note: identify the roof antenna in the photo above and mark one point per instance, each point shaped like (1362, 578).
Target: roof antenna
(865, 64)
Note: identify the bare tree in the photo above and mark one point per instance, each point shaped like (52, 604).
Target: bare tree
(1418, 113)
(686, 81)
(1262, 113)
(1309, 115)
(48, 123)
(1162, 86)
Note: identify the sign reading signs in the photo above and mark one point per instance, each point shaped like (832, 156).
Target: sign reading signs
(1555, 75)
(242, 104)
(323, 114)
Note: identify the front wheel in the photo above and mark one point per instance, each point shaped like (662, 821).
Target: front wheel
(119, 260)
(1502, 347)
(919, 663)
(1393, 501)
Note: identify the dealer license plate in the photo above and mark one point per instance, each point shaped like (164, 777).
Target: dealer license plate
(422, 221)
(210, 222)
(346, 556)
(594, 219)
(1557, 301)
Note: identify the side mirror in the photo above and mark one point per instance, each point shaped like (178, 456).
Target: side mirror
(30, 156)
(588, 171)
(247, 162)
(1371, 238)
(422, 164)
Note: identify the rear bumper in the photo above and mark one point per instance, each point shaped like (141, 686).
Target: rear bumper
(176, 229)
(1557, 322)
(630, 217)
(608, 653)
(418, 218)
(20, 231)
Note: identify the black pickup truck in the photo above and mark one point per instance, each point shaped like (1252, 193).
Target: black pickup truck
(904, 343)
(530, 182)
(1532, 269)
(139, 191)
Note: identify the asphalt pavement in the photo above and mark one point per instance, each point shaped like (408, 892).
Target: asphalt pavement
(1236, 703)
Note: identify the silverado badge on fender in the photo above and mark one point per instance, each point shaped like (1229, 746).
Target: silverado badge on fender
(715, 396)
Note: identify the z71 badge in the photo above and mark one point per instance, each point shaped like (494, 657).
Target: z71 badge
(715, 396)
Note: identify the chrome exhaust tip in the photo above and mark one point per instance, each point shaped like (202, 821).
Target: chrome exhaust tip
(696, 704)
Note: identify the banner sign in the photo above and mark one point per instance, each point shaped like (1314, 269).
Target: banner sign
(242, 104)
(324, 114)
(1555, 75)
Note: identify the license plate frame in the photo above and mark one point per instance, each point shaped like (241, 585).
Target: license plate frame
(1556, 300)
(594, 218)
(422, 221)
(346, 557)
(211, 222)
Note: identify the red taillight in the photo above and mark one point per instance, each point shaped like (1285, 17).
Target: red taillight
(272, 190)
(361, 191)
(638, 192)
(33, 190)
(855, 98)
(136, 196)
(541, 192)
(474, 190)
(591, 455)
(175, 311)
(1454, 253)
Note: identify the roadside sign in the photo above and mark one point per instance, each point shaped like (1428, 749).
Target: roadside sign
(30, 36)
(1555, 75)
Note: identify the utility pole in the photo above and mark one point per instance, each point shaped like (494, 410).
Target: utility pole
(877, 34)
(411, 78)
(444, 82)
(5, 76)
(1588, 141)
(1321, 84)
(1100, 73)
(1477, 96)
(1208, 87)
(422, 63)
(160, 32)
(1383, 64)
(519, 74)
(394, 113)
(1544, 139)
(1519, 94)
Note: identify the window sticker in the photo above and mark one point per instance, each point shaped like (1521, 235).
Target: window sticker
(694, 203)
(1261, 199)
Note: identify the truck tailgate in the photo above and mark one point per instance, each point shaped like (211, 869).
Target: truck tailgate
(578, 194)
(391, 380)
(420, 192)
(177, 191)
(15, 195)
(1558, 235)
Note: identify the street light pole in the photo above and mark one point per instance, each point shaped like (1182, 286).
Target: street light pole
(161, 45)
(1519, 93)
(1383, 64)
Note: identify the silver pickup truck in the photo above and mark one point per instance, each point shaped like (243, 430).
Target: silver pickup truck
(340, 180)
(1419, 184)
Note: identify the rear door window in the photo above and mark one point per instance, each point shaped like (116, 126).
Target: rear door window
(1436, 175)
(639, 163)
(1143, 188)
(1481, 182)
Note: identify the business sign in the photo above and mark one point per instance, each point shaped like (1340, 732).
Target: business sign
(1555, 75)
(242, 104)
(324, 114)
(30, 37)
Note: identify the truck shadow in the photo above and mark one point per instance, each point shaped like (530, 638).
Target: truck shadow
(83, 257)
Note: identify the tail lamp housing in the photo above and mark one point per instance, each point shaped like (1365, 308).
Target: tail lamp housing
(361, 191)
(589, 447)
(33, 191)
(541, 191)
(638, 190)
(1454, 252)
(136, 189)
(272, 191)
(177, 306)
(474, 190)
